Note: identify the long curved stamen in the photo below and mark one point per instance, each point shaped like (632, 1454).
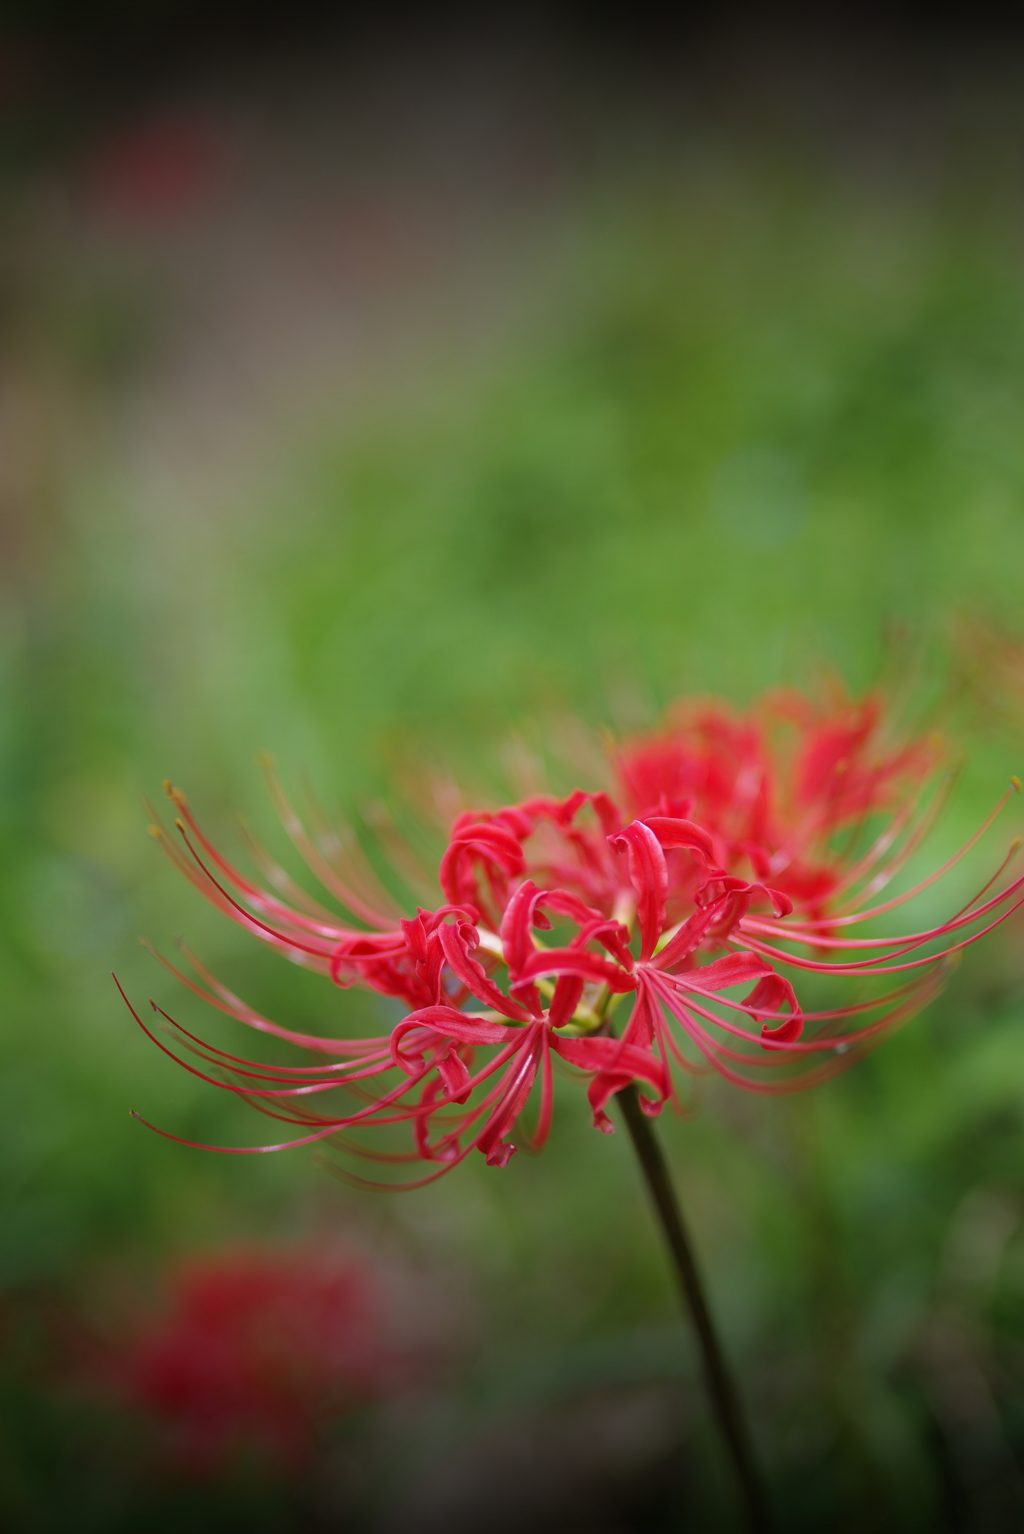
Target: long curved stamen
(890, 905)
(535, 1141)
(841, 1049)
(401, 856)
(208, 888)
(879, 966)
(372, 904)
(235, 1150)
(461, 1156)
(801, 935)
(328, 1074)
(225, 1001)
(890, 836)
(248, 919)
(228, 1086)
(971, 911)
(261, 899)
(282, 882)
(888, 839)
(797, 1048)
(763, 1015)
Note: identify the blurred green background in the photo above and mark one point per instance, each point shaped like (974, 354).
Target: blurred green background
(385, 406)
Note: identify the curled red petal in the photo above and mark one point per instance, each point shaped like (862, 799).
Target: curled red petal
(768, 995)
(493, 844)
(674, 832)
(457, 940)
(433, 1023)
(568, 991)
(614, 1063)
(517, 924)
(738, 968)
(579, 962)
(648, 875)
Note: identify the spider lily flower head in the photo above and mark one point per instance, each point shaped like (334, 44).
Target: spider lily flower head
(254, 1350)
(778, 785)
(566, 935)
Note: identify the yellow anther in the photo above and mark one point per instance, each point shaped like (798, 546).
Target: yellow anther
(180, 824)
(154, 832)
(1015, 783)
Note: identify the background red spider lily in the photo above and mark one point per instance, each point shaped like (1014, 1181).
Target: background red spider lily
(433, 401)
(244, 1378)
(777, 799)
(254, 1354)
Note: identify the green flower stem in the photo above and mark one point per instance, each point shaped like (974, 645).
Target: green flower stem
(725, 1399)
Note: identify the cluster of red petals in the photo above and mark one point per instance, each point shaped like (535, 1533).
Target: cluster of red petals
(554, 911)
(774, 786)
(252, 1352)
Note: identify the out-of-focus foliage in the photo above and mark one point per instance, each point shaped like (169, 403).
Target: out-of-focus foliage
(760, 415)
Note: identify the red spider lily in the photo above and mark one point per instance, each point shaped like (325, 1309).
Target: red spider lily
(254, 1351)
(775, 786)
(647, 909)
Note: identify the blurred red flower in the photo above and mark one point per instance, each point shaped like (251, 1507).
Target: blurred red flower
(253, 1352)
(774, 786)
(157, 170)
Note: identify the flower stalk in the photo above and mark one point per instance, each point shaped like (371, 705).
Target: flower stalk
(724, 1396)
